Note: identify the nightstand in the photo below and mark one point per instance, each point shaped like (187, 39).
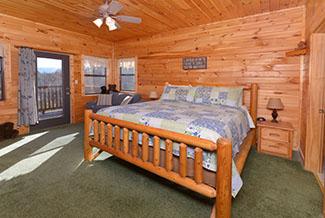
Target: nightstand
(275, 138)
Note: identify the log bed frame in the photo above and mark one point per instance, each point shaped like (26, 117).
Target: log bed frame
(104, 140)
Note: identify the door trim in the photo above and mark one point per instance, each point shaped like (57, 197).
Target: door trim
(66, 119)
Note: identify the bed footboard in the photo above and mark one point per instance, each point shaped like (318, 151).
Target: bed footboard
(107, 137)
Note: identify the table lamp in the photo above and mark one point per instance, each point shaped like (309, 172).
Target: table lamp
(153, 95)
(275, 104)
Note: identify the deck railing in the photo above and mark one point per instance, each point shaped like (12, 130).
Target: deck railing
(49, 98)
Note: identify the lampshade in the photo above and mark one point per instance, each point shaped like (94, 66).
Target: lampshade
(275, 103)
(98, 22)
(1, 51)
(153, 95)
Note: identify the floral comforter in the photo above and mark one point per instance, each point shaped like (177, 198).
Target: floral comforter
(204, 121)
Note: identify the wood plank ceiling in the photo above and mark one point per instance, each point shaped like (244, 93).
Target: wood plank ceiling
(157, 15)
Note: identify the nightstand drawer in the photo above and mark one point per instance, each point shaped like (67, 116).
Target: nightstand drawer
(275, 134)
(274, 147)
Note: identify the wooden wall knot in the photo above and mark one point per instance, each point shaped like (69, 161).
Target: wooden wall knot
(41, 31)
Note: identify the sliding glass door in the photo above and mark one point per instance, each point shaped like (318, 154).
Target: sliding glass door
(53, 89)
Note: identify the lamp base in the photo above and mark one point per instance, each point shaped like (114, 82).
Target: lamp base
(274, 116)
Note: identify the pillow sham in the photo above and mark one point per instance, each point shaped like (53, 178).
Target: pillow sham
(175, 93)
(229, 96)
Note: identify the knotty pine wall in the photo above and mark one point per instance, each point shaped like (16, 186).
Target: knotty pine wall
(16, 32)
(315, 17)
(240, 52)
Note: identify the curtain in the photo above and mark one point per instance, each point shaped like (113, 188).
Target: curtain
(27, 105)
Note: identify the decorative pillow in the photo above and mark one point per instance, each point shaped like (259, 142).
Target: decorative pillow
(190, 94)
(104, 100)
(126, 100)
(175, 93)
(230, 96)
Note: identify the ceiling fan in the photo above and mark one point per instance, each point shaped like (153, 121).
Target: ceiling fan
(108, 14)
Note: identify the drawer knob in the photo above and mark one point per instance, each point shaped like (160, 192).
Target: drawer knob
(274, 134)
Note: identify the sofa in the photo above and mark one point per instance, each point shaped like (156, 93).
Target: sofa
(117, 98)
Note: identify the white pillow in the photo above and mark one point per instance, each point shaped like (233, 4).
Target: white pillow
(126, 100)
(104, 100)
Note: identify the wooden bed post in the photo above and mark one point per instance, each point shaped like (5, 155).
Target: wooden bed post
(223, 179)
(88, 151)
(253, 101)
(253, 107)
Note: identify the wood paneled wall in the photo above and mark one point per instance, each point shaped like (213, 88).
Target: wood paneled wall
(239, 51)
(315, 17)
(16, 32)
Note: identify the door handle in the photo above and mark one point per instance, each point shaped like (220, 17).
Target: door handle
(322, 111)
(67, 91)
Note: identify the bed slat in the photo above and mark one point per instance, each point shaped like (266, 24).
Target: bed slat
(109, 135)
(169, 155)
(145, 147)
(135, 143)
(117, 135)
(183, 160)
(156, 151)
(102, 133)
(96, 134)
(198, 171)
(125, 140)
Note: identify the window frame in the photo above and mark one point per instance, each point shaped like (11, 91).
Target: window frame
(2, 78)
(84, 75)
(135, 59)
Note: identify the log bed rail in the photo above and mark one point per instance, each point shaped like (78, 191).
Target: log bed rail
(107, 137)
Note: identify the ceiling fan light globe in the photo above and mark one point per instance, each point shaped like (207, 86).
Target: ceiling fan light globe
(111, 27)
(109, 21)
(111, 24)
(114, 27)
(98, 22)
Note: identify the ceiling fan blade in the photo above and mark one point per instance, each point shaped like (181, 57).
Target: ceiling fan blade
(128, 19)
(114, 7)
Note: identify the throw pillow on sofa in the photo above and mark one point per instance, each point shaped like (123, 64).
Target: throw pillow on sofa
(104, 100)
(126, 100)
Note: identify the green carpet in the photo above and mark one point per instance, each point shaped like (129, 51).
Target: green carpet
(46, 177)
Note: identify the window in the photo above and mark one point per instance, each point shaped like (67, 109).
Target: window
(127, 74)
(95, 73)
(1, 79)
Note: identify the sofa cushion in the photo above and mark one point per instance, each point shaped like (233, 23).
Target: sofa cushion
(117, 98)
(135, 98)
(104, 100)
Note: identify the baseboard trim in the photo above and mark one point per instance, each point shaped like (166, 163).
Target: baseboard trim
(320, 182)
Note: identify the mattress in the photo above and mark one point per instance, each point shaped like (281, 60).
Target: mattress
(205, 121)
